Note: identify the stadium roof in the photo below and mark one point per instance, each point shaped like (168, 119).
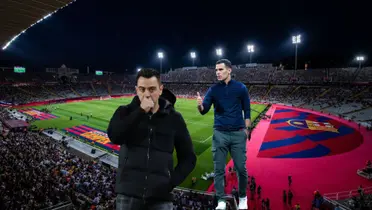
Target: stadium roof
(16, 16)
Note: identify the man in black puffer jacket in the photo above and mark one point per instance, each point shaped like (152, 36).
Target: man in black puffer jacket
(148, 130)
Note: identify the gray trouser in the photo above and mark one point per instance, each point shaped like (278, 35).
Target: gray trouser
(129, 203)
(235, 142)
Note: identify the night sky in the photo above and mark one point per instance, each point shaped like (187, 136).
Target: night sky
(117, 35)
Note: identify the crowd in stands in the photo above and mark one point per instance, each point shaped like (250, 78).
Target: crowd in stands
(269, 74)
(37, 173)
(26, 180)
(266, 73)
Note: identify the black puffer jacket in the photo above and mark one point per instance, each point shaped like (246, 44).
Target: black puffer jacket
(147, 143)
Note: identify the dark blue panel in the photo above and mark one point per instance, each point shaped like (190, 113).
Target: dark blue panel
(283, 142)
(318, 151)
(283, 110)
(322, 119)
(288, 128)
(301, 116)
(280, 120)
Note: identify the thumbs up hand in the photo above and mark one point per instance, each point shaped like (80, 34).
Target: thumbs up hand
(200, 102)
(199, 99)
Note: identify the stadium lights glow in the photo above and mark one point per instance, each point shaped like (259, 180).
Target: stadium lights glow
(160, 55)
(219, 52)
(360, 58)
(296, 39)
(250, 48)
(193, 55)
(139, 69)
(24, 31)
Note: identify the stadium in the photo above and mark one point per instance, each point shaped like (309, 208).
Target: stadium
(313, 125)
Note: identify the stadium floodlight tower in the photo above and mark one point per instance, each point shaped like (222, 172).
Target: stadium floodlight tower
(250, 49)
(161, 57)
(296, 40)
(360, 59)
(193, 56)
(219, 52)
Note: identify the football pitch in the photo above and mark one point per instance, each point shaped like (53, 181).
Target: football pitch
(200, 127)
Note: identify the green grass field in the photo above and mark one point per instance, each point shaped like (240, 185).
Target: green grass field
(200, 127)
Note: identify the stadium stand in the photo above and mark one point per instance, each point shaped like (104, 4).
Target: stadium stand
(85, 181)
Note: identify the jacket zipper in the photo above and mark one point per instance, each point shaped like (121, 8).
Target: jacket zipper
(170, 177)
(147, 162)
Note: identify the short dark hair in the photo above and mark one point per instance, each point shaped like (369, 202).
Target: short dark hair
(148, 73)
(225, 61)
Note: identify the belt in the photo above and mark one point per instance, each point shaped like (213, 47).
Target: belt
(228, 129)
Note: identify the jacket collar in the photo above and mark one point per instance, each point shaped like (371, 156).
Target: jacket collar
(223, 82)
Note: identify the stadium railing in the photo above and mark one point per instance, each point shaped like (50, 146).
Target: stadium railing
(335, 197)
(333, 203)
(347, 194)
(67, 205)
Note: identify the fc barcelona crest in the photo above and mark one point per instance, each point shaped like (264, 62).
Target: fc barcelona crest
(313, 125)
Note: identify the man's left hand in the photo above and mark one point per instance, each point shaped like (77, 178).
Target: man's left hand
(248, 133)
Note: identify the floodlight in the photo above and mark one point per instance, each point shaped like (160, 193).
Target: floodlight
(160, 55)
(250, 48)
(193, 55)
(296, 39)
(360, 58)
